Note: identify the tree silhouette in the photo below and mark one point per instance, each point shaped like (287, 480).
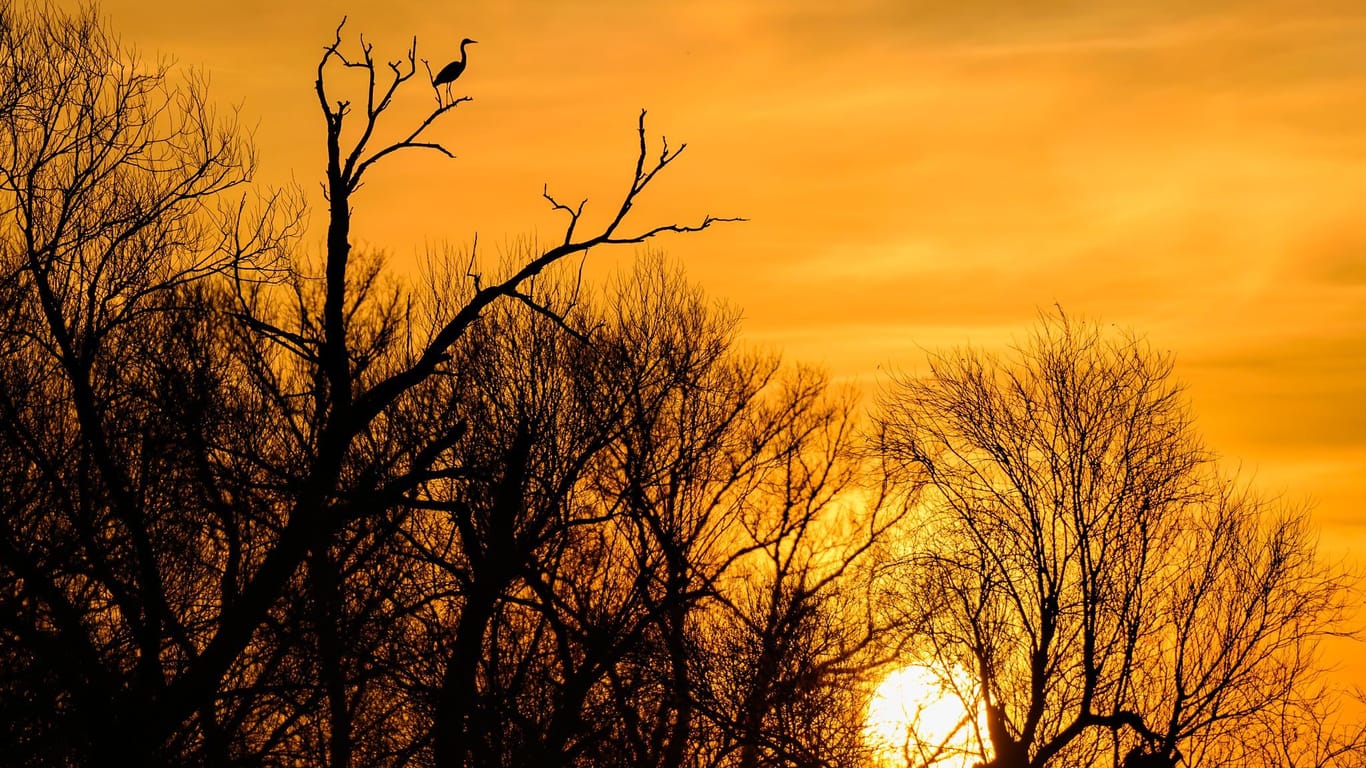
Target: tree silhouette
(581, 609)
(1115, 597)
(194, 541)
(260, 507)
(113, 186)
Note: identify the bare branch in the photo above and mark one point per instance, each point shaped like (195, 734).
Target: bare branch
(642, 237)
(548, 313)
(574, 213)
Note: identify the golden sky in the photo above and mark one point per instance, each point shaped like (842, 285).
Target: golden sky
(917, 174)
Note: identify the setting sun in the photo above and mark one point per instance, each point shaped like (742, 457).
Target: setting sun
(917, 716)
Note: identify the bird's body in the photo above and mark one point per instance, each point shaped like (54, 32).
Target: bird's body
(451, 71)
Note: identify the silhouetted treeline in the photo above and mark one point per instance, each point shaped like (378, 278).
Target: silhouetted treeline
(262, 506)
(261, 510)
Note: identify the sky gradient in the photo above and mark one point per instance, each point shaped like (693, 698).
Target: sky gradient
(916, 174)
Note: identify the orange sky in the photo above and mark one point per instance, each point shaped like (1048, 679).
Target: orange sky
(916, 174)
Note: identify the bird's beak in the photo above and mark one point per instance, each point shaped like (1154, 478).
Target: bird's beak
(474, 41)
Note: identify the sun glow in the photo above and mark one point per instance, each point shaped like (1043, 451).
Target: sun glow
(917, 717)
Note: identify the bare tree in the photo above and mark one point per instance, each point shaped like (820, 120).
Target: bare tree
(210, 452)
(1115, 599)
(114, 182)
(798, 627)
(363, 370)
(632, 506)
(577, 534)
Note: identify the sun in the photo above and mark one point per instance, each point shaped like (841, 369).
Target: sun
(917, 717)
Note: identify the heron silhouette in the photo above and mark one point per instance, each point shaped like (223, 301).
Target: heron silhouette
(451, 71)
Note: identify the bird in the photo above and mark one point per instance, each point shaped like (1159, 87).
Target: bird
(451, 71)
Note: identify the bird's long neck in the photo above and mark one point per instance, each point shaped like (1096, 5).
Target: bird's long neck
(463, 43)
